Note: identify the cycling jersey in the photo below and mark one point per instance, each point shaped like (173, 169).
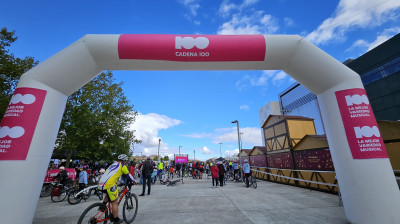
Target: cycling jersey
(110, 177)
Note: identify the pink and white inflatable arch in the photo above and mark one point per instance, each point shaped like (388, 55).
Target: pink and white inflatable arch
(29, 128)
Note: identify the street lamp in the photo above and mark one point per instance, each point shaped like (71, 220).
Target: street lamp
(240, 150)
(159, 142)
(220, 152)
(180, 150)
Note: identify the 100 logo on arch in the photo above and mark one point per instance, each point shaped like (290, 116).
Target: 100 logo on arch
(189, 43)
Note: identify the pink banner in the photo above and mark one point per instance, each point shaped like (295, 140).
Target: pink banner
(181, 159)
(359, 122)
(19, 123)
(192, 47)
(52, 173)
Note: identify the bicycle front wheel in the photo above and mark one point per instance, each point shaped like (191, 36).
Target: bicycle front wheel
(130, 208)
(93, 214)
(73, 198)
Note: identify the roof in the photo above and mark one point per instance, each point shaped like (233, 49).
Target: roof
(246, 152)
(309, 142)
(287, 117)
(258, 150)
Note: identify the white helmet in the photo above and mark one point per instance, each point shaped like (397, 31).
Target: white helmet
(245, 160)
(123, 157)
(102, 171)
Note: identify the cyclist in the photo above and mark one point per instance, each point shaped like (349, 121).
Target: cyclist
(62, 176)
(246, 170)
(108, 184)
(235, 169)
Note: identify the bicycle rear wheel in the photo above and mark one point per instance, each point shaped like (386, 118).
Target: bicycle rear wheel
(254, 182)
(93, 214)
(130, 208)
(73, 198)
(61, 197)
(46, 190)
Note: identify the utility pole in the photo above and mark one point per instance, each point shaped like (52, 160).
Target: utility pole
(159, 142)
(194, 152)
(220, 152)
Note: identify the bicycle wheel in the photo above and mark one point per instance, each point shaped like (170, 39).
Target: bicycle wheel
(73, 198)
(46, 190)
(93, 214)
(254, 183)
(61, 197)
(130, 208)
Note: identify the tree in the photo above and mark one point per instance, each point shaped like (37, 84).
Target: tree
(166, 158)
(11, 68)
(95, 122)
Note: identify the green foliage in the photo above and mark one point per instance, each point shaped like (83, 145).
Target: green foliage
(95, 122)
(166, 158)
(11, 68)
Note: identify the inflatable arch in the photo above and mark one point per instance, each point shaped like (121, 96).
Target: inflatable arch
(29, 129)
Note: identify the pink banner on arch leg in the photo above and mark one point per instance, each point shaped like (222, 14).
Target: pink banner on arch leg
(19, 122)
(359, 122)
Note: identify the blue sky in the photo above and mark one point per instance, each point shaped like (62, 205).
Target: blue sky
(194, 109)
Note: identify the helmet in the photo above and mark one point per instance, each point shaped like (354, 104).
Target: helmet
(61, 168)
(123, 157)
(245, 160)
(102, 171)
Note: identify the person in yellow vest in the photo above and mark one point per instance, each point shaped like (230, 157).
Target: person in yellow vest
(230, 165)
(160, 168)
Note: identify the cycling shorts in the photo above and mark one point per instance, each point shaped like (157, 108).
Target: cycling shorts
(112, 193)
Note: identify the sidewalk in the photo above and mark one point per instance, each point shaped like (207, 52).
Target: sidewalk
(196, 201)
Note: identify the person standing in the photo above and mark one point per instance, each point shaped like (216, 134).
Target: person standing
(160, 168)
(214, 175)
(246, 170)
(221, 173)
(147, 170)
(83, 180)
(235, 169)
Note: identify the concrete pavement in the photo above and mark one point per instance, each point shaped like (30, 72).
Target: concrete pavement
(196, 201)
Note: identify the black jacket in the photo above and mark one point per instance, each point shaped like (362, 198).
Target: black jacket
(147, 169)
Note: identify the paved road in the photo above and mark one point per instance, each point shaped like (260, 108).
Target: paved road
(196, 201)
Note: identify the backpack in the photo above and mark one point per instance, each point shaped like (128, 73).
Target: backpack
(56, 191)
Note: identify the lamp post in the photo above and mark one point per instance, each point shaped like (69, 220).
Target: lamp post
(194, 153)
(240, 150)
(220, 152)
(159, 142)
(180, 150)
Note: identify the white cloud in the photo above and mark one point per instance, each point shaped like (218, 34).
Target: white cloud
(288, 21)
(244, 107)
(206, 151)
(146, 129)
(382, 37)
(352, 14)
(256, 23)
(226, 7)
(191, 5)
(231, 153)
(251, 136)
(268, 77)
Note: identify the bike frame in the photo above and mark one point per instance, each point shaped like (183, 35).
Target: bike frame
(122, 195)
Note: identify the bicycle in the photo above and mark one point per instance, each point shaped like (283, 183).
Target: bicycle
(252, 182)
(98, 213)
(75, 196)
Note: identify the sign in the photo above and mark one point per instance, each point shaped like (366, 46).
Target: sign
(280, 160)
(50, 174)
(359, 122)
(19, 123)
(192, 47)
(181, 159)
